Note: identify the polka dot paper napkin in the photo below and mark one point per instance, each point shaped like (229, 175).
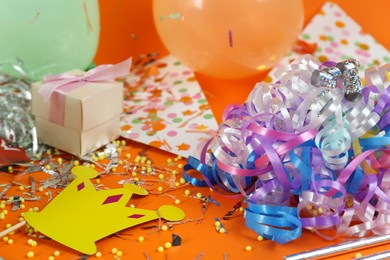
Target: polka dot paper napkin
(165, 107)
(338, 37)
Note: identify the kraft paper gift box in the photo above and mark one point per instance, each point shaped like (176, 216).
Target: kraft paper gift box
(84, 113)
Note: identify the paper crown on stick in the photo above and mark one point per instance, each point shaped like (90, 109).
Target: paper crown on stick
(80, 215)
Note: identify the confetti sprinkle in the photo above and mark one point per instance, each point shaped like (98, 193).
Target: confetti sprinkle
(34, 18)
(176, 240)
(231, 212)
(147, 256)
(134, 36)
(167, 245)
(219, 227)
(30, 254)
(230, 33)
(33, 185)
(174, 16)
(16, 202)
(87, 16)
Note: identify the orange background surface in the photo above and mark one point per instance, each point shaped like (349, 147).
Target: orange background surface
(120, 21)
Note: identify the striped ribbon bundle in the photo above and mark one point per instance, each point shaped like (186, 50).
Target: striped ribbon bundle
(308, 151)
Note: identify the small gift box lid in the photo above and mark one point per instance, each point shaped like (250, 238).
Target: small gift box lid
(87, 104)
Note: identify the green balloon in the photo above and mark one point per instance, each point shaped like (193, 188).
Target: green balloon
(47, 36)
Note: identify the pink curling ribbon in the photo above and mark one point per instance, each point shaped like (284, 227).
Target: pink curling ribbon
(56, 86)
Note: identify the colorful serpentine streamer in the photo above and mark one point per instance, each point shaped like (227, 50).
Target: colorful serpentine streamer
(308, 151)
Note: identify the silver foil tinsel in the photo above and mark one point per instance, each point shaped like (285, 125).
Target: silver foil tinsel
(16, 123)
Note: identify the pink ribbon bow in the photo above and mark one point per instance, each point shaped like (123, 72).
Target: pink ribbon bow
(55, 86)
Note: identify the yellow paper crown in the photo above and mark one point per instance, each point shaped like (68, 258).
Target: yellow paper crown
(80, 215)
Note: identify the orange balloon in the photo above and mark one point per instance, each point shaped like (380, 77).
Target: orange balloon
(228, 38)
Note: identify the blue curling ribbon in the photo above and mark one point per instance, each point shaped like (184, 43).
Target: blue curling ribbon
(224, 181)
(303, 168)
(195, 164)
(250, 163)
(277, 223)
(227, 181)
(374, 142)
(353, 183)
